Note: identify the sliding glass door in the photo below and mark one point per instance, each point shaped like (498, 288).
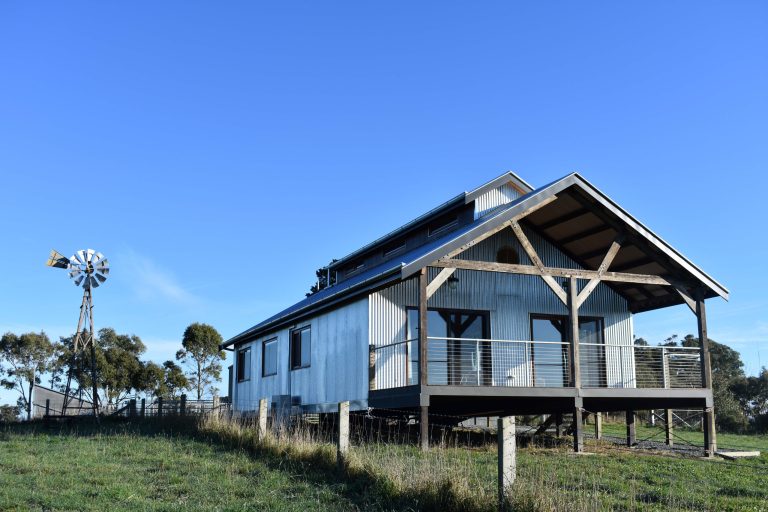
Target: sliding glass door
(455, 354)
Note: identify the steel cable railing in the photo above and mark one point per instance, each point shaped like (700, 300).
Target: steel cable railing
(515, 363)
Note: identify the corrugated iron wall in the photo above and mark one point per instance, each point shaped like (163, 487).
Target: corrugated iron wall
(494, 198)
(338, 368)
(511, 299)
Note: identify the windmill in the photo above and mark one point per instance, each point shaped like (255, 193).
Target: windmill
(89, 269)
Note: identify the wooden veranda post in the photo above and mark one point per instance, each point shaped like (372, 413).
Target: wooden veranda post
(575, 367)
(631, 433)
(423, 376)
(710, 434)
(598, 425)
(507, 457)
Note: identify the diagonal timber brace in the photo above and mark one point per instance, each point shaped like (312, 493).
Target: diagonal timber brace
(531, 252)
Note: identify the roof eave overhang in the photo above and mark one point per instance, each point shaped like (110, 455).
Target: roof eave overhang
(361, 288)
(536, 198)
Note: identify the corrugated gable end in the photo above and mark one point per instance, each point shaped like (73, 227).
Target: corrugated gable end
(494, 198)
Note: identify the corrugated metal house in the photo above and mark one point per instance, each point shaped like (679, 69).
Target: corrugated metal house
(503, 300)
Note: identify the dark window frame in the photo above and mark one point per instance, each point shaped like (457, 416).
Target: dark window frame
(442, 225)
(264, 357)
(566, 348)
(240, 365)
(393, 249)
(485, 316)
(292, 361)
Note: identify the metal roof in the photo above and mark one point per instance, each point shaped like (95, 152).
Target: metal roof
(605, 210)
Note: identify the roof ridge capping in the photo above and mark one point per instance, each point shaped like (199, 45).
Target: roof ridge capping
(522, 186)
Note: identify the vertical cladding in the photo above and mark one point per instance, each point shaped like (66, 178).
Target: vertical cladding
(338, 368)
(495, 198)
(511, 299)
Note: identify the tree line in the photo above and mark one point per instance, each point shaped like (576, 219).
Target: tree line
(741, 402)
(32, 359)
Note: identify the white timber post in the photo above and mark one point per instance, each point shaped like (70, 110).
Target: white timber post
(342, 447)
(507, 457)
(262, 432)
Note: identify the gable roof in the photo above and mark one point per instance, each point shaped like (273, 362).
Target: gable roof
(559, 222)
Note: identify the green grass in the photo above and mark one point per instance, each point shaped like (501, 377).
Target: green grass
(220, 466)
(725, 442)
(129, 468)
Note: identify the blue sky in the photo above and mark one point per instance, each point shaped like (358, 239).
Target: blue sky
(218, 153)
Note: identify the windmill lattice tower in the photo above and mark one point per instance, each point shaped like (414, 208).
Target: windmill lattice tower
(89, 269)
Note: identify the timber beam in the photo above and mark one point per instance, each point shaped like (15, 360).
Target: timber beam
(538, 264)
(532, 270)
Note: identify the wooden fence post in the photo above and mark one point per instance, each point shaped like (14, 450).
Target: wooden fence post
(507, 457)
(183, 405)
(262, 419)
(669, 425)
(132, 408)
(47, 407)
(342, 448)
(159, 407)
(143, 407)
(215, 406)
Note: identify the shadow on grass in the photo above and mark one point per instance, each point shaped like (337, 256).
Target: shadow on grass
(361, 486)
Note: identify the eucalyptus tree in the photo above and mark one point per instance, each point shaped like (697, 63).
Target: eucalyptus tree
(202, 355)
(25, 359)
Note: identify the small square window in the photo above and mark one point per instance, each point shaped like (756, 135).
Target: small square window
(300, 348)
(269, 358)
(244, 364)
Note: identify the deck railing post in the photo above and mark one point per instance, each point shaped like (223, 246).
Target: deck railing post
(664, 368)
(507, 457)
(342, 447)
(477, 359)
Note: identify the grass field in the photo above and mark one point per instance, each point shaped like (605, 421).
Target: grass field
(219, 466)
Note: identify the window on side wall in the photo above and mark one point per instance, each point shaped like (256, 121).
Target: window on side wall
(300, 348)
(244, 364)
(269, 358)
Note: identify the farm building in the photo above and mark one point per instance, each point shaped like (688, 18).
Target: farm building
(506, 300)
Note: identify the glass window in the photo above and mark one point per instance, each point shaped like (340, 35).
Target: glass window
(300, 348)
(269, 357)
(243, 364)
(550, 361)
(454, 356)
